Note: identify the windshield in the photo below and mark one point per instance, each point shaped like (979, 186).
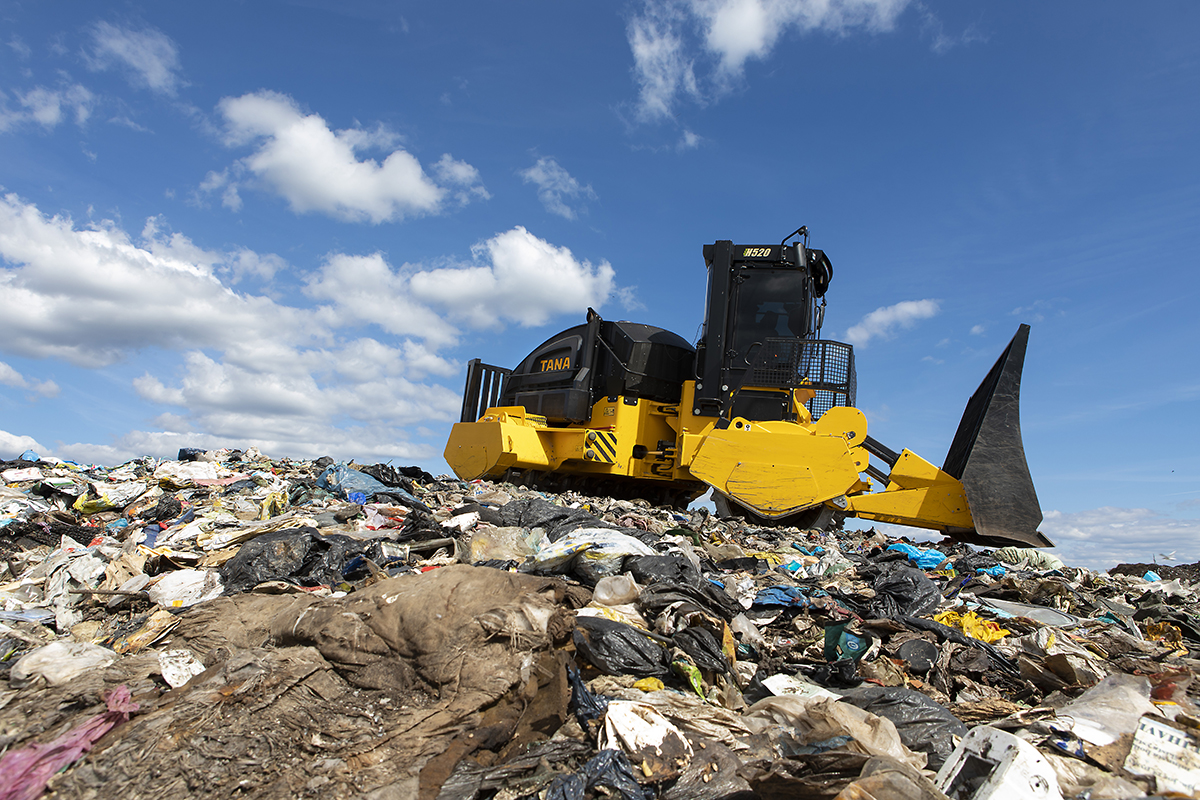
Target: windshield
(770, 304)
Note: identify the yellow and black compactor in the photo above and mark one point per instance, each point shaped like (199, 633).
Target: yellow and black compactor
(761, 410)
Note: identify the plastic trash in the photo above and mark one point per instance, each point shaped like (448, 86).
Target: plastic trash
(616, 590)
(587, 706)
(843, 645)
(970, 623)
(703, 648)
(797, 685)
(178, 667)
(927, 559)
(489, 543)
(749, 632)
(1028, 558)
(1112, 707)
(647, 738)
(990, 764)
(924, 725)
(27, 771)
(343, 481)
(186, 587)
(817, 719)
(59, 663)
(592, 553)
(618, 649)
(918, 654)
(609, 769)
(901, 589)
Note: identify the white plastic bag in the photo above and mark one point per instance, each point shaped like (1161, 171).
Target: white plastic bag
(59, 663)
(186, 587)
(594, 553)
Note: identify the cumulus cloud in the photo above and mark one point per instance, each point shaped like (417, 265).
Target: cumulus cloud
(10, 377)
(517, 277)
(290, 380)
(69, 294)
(883, 323)
(513, 277)
(672, 39)
(149, 57)
(556, 187)
(317, 169)
(1104, 537)
(366, 290)
(13, 445)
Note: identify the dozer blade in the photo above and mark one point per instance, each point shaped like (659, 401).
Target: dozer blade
(988, 457)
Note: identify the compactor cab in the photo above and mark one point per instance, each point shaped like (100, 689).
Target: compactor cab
(761, 410)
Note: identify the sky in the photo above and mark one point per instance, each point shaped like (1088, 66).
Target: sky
(291, 224)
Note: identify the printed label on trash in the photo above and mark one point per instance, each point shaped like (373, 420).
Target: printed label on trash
(1170, 754)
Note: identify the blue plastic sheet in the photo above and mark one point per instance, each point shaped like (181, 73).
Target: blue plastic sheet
(358, 487)
(925, 559)
(781, 596)
(997, 571)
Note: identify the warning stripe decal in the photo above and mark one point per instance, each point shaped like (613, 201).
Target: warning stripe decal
(602, 446)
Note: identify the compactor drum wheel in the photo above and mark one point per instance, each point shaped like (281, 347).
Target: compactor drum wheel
(821, 518)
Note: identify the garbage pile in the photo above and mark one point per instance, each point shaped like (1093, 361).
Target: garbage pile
(226, 624)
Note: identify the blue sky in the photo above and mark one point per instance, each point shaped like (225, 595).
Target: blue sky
(291, 224)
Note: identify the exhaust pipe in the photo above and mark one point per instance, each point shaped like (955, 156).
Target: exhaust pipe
(988, 456)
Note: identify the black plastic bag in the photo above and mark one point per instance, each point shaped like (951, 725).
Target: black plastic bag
(397, 476)
(713, 600)
(901, 589)
(837, 675)
(298, 555)
(668, 569)
(703, 647)
(612, 770)
(619, 649)
(587, 706)
(924, 725)
(556, 521)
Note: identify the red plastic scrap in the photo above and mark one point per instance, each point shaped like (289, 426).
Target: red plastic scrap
(24, 773)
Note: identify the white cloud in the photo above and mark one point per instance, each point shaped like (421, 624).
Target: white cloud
(19, 47)
(317, 169)
(941, 41)
(10, 377)
(149, 56)
(462, 175)
(556, 187)
(254, 371)
(977, 330)
(71, 290)
(12, 445)
(1104, 537)
(366, 290)
(882, 323)
(669, 38)
(522, 279)
(48, 107)
(663, 68)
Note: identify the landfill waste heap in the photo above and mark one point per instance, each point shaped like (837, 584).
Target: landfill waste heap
(230, 625)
